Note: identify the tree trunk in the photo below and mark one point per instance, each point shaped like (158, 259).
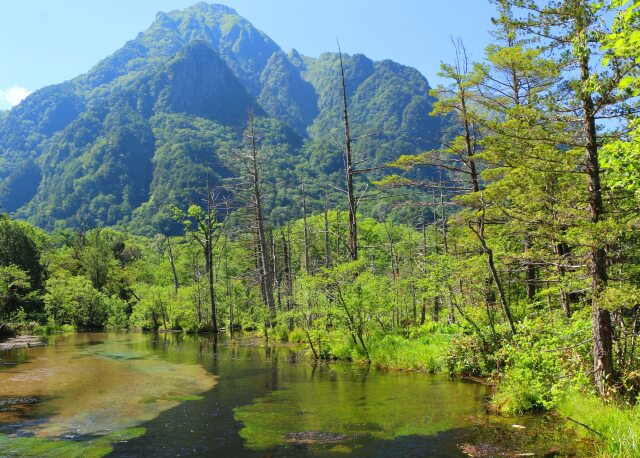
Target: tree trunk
(288, 279)
(209, 257)
(530, 270)
(212, 295)
(229, 298)
(327, 246)
(266, 270)
(436, 309)
(176, 284)
(496, 278)
(305, 231)
(277, 279)
(349, 172)
(567, 298)
(602, 327)
(443, 216)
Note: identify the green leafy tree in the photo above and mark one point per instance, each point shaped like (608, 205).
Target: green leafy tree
(14, 286)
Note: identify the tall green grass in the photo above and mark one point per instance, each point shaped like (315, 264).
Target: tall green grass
(421, 348)
(425, 353)
(618, 427)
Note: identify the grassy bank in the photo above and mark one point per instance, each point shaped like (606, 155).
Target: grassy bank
(423, 348)
(616, 428)
(532, 379)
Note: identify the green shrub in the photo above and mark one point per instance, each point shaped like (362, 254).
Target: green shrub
(467, 355)
(432, 327)
(53, 328)
(426, 353)
(339, 347)
(297, 336)
(280, 332)
(73, 300)
(118, 318)
(542, 363)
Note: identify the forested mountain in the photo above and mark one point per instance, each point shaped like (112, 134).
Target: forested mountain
(144, 128)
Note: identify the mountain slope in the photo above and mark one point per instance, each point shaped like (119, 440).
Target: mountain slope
(144, 128)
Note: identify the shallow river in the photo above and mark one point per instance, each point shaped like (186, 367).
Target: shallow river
(174, 395)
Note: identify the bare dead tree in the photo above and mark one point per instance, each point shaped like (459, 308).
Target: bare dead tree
(176, 283)
(348, 169)
(262, 245)
(305, 230)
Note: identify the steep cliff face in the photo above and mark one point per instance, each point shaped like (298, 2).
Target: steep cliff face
(148, 125)
(199, 83)
(286, 95)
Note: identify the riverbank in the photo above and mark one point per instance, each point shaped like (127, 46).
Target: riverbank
(615, 428)
(612, 429)
(419, 349)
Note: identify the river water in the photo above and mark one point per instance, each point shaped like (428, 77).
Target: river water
(132, 394)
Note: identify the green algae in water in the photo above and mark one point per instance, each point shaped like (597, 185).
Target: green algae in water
(337, 404)
(119, 383)
(177, 398)
(40, 446)
(286, 406)
(120, 356)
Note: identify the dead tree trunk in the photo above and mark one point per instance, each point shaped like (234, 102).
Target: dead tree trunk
(229, 294)
(209, 258)
(327, 246)
(176, 284)
(496, 278)
(305, 231)
(349, 171)
(262, 245)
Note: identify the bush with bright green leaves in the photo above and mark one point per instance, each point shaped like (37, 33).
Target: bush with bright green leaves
(547, 357)
(467, 355)
(425, 353)
(73, 300)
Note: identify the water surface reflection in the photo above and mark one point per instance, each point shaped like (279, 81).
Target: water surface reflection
(172, 394)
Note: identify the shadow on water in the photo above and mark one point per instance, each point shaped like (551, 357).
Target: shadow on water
(207, 426)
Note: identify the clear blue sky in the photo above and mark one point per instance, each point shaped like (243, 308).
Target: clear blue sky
(48, 41)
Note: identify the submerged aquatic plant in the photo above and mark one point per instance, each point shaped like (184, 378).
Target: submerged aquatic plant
(11, 445)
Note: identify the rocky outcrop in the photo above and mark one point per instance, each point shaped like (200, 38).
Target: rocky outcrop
(22, 342)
